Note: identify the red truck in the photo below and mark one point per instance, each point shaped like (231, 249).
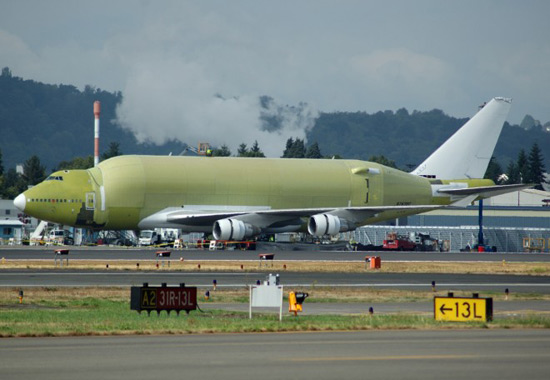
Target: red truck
(398, 243)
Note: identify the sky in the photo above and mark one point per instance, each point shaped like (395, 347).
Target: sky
(195, 70)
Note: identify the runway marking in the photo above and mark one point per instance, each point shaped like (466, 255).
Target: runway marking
(176, 344)
(255, 260)
(508, 284)
(309, 285)
(414, 357)
(378, 358)
(37, 274)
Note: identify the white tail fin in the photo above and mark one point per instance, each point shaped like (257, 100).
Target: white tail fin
(466, 154)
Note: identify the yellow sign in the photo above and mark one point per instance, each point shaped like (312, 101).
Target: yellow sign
(463, 309)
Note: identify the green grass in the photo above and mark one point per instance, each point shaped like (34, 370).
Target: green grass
(96, 316)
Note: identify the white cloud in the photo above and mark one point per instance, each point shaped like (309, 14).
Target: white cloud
(175, 99)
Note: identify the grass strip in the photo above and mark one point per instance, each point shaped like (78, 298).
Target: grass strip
(62, 312)
(49, 296)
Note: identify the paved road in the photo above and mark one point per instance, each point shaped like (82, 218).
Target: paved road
(449, 355)
(416, 281)
(102, 253)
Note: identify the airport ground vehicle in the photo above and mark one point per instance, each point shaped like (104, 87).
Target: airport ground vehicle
(149, 237)
(59, 236)
(398, 243)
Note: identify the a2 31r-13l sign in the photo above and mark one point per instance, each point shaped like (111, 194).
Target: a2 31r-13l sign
(158, 298)
(463, 309)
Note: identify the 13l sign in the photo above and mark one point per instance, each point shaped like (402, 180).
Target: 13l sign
(463, 309)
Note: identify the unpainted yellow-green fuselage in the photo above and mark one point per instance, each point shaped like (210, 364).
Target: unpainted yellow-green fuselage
(120, 192)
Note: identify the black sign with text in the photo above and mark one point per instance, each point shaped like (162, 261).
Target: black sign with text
(158, 298)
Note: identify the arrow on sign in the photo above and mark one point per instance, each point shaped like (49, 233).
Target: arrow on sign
(443, 309)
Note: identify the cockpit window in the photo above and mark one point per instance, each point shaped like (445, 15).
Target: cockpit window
(54, 178)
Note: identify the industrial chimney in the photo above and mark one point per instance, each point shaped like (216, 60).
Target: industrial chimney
(97, 110)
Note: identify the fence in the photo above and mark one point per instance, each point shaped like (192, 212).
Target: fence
(505, 239)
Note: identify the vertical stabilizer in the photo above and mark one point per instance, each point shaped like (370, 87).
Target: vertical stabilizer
(466, 154)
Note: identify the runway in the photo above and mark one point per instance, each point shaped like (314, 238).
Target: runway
(460, 354)
(415, 281)
(448, 354)
(115, 253)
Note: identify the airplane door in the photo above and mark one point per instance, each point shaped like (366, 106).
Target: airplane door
(367, 190)
(90, 201)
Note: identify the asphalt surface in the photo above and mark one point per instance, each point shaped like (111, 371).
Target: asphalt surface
(415, 281)
(114, 253)
(459, 354)
(449, 355)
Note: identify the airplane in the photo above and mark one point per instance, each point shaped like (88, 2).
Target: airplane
(235, 198)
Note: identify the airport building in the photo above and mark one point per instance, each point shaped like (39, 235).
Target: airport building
(11, 231)
(514, 222)
(11, 228)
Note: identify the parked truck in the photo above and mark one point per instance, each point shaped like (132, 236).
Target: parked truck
(60, 237)
(149, 237)
(398, 243)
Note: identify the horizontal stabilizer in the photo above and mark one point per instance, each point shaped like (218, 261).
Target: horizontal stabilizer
(485, 191)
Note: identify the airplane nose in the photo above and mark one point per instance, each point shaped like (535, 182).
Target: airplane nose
(20, 202)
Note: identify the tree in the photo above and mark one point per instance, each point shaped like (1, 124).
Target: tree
(536, 167)
(242, 151)
(33, 171)
(255, 151)
(313, 151)
(513, 173)
(1, 165)
(522, 166)
(383, 161)
(298, 149)
(288, 148)
(114, 150)
(6, 72)
(294, 149)
(13, 184)
(494, 170)
(77, 163)
(222, 151)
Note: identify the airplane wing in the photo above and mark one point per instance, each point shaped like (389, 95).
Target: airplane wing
(204, 217)
(264, 217)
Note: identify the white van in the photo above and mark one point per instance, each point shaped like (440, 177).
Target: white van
(61, 237)
(148, 237)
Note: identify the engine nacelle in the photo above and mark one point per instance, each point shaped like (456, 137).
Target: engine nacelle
(327, 224)
(233, 229)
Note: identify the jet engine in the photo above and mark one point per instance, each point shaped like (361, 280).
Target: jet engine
(233, 229)
(327, 224)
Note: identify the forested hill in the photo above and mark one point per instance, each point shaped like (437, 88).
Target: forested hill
(409, 138)
(406, 138)
(55, 123)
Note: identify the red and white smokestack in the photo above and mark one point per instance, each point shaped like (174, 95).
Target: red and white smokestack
(97, 110)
